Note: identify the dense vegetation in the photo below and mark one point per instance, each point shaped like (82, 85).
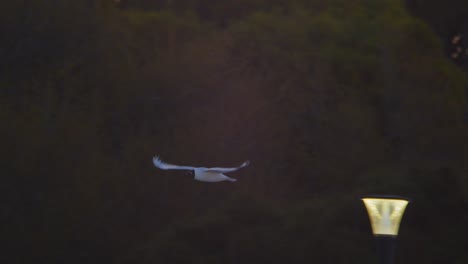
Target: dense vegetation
(330, 100)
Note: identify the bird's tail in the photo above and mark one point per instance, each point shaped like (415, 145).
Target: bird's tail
(246, 163)
(231, 179)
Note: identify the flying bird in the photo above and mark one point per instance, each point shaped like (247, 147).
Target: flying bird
(203, 174)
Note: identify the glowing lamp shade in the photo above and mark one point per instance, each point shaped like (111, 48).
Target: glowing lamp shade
(385, 214)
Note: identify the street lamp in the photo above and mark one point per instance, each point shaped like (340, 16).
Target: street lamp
(385, 214)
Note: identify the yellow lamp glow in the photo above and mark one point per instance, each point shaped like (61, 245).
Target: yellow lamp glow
(385, 214)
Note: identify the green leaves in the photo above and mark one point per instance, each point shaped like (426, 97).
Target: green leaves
(328, 99)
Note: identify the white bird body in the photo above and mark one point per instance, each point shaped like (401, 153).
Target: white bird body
(203, 174)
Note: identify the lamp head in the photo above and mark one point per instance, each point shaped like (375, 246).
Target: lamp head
(385, 213)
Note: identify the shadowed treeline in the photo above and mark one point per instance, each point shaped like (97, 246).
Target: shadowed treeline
(329, 100)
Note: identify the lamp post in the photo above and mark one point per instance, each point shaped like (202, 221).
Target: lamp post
(385, 213)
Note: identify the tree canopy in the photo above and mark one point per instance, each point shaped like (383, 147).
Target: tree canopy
(330, 100)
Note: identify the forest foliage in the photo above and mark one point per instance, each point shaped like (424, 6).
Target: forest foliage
(329, 100)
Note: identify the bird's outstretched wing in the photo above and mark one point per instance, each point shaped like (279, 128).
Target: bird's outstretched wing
(166, 166)
(220, 169)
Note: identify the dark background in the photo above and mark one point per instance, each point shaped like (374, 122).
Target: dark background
(329, 100)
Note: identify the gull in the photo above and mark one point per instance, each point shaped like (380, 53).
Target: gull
(203, 174)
